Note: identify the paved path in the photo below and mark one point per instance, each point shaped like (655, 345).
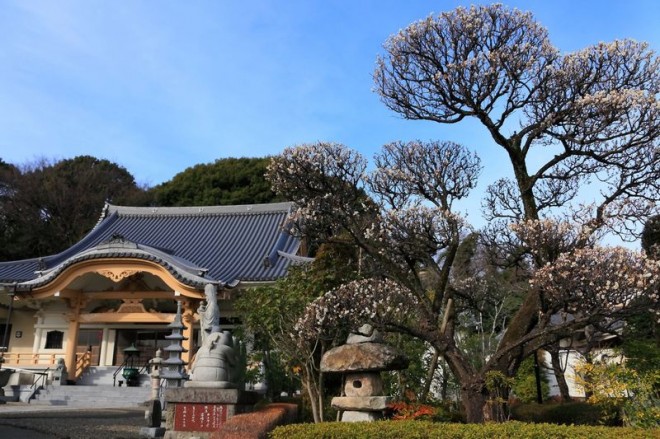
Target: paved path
(22, 421)
(8, 432)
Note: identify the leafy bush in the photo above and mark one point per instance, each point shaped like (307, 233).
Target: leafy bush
(572, 413)
(499, 387)
(426, 429)
(437, 412)
(405, 411)
(633, 396)
(524, 386)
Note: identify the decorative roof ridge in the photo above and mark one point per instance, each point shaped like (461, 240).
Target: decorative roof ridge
(295, 258)
(104, 214)
(196, 210)
(48, 259)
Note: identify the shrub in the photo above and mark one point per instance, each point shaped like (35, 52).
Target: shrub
(257, 424)
(430, 430)
(571, 413)
(632, 396)
(524, 386)
(399, 411)
(437, 412)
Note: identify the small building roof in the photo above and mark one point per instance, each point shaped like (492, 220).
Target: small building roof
(205, 244)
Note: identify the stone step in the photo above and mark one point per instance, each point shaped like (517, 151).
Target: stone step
(104, 375)
(92, 396)
(83, 390)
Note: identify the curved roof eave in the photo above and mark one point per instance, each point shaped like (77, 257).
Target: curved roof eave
(183, 271)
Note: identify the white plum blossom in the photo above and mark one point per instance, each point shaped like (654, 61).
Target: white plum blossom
(600, 281)
(595, 110)
(565, 121)
(379, 302)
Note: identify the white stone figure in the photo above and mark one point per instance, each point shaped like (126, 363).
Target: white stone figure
(60, 375)
(215, 362)
(209, 313)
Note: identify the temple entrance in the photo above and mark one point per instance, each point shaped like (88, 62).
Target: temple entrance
(147, 341)
(89, 340)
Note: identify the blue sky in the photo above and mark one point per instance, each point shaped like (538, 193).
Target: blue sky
(158, 86)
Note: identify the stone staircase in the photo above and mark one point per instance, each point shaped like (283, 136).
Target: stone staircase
(95, 389)
(91, 396)
(104, 376)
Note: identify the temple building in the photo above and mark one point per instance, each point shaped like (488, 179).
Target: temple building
(118, 287)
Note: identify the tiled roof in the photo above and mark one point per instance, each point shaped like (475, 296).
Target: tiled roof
(221, 244)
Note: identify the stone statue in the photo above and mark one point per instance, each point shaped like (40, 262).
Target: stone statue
(215, 362)
(209, 314)
(60, 374)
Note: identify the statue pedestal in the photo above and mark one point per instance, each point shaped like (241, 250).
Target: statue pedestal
(199, 411)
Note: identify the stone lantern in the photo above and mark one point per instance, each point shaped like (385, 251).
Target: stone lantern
(361, 360)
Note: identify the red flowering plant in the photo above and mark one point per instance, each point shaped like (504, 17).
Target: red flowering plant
(401, 410)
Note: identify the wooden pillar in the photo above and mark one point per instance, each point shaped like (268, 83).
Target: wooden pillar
(75, 304)
(188, 319)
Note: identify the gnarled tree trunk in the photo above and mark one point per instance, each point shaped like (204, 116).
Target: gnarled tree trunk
(559, 373)
(474, 398)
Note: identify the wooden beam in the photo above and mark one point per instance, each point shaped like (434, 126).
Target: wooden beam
(118, 295)
(126, 317)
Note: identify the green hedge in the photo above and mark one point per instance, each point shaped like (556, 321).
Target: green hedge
(568, 413)
(425, 429)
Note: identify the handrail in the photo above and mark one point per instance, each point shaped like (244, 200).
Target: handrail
(144, 370)
(82, 363)
(42, 377)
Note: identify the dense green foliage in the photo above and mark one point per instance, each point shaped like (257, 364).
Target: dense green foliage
(425, 429)
(271, 311)
(47, 206)
(651, 236)
(223, 182)
(524, 387)
(408, 384)
(8, 230)
(641, 343)
(269, 315)
(622, 392)
(570, 413)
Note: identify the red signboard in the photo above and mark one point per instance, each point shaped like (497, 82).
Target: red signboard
(199, 417)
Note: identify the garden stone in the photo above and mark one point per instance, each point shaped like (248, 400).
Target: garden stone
(363, 384)
(366, 333)
(355, 416)
(370, 403)
(363, 357)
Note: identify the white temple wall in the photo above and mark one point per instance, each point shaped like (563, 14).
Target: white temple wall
(22, 331)
(571, 359)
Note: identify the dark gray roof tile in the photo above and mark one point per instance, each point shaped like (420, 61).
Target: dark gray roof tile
(230, 242)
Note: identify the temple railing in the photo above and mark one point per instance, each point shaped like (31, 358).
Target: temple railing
(30, 359)
(83, 361)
